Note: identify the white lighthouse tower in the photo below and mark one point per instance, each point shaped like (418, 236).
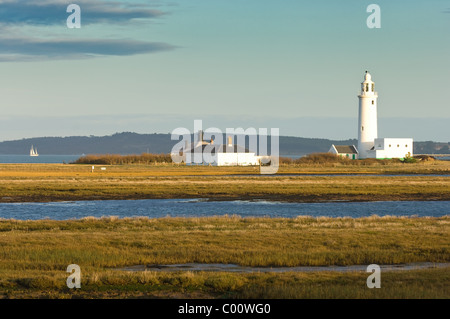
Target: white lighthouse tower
(369, 145)
(367, 122)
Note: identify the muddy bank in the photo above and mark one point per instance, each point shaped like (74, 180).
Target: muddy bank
(244, 269)
(297, 198)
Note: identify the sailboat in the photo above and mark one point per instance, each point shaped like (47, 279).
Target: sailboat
(33, 151)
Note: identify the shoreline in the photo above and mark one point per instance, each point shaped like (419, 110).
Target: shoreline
(214, 267)
(285, 199)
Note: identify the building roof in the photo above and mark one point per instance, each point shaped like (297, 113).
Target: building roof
(346, 149)
(367, 77)
(223, 148)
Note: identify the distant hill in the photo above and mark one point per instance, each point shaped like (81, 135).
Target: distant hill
(133, 143)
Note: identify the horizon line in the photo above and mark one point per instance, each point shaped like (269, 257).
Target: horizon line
(159, 133)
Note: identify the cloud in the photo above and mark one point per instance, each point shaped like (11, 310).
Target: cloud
(28, 49)
(29, 29)
(51, 12)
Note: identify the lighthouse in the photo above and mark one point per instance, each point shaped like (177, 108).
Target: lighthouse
(367, 121)
(369, 144)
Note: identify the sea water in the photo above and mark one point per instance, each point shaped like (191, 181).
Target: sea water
(154, 208)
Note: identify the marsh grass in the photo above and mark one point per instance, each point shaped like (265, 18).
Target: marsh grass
(117, 159)
(412, 284)
(45, 182)
(327, 159)
(429, 283)
(323, 159)
(35, 254)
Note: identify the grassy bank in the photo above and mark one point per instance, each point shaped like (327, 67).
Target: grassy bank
(415, 284)
(35, 254)
(52, 182)
(116, 159)
(323, 159)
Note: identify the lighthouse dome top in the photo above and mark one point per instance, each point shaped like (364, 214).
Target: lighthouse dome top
(367, 77)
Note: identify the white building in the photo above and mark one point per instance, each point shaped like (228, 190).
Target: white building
(348, 151)
(208, 153)
(392, 148)
(369, 144)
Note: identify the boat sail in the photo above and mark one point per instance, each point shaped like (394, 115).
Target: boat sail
(33, 151)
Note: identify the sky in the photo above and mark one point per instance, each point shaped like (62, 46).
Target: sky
(153, 66)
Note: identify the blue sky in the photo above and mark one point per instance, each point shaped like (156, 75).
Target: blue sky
(152, 66)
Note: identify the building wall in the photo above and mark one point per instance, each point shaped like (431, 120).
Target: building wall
(393, 147)
(221, 159)
(230, 159)
(332, 150)
(367, 123)
(350, 156)
(198, 159)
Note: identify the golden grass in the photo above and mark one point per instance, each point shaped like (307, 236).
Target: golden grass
(114, 242)
(416, 284)
(117, 159)
(35, 254)
(47, 182)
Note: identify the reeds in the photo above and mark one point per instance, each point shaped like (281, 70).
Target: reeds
(117, 159)
(325, 159)
(35, 255)
(329, 159)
